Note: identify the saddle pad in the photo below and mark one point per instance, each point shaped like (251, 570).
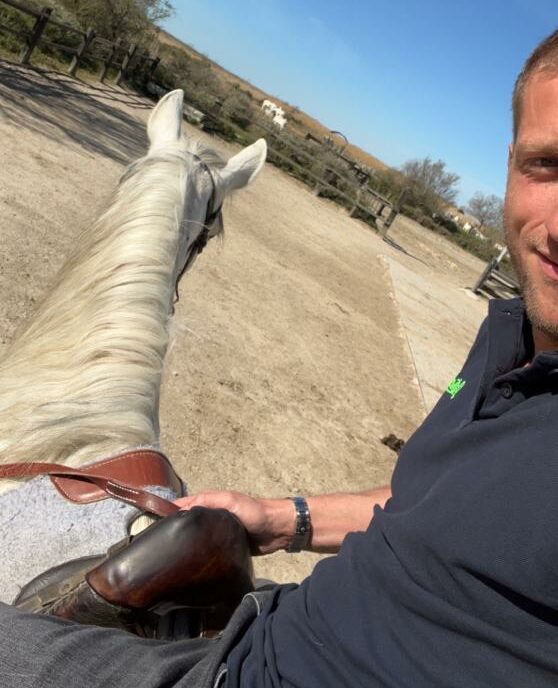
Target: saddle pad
(39, 529)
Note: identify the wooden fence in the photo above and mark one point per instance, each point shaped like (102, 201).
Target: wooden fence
(333, 181)
(79, 45)
(358, 197)
(494, 282)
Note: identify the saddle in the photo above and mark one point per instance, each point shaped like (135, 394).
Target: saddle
(183, 576)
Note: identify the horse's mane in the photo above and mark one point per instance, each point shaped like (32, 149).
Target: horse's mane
(81, 378)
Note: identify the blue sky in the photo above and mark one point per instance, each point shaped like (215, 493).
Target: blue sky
(401, 79)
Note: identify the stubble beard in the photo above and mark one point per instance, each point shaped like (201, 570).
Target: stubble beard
(532, 297)
(535, 312)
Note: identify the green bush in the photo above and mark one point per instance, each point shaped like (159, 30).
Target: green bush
(447, 223)
(414, 213)
(53, 34)
(388, 183)
(482, 249)
(216, 125)
(238, 108)
(15, 21)
(194, 76)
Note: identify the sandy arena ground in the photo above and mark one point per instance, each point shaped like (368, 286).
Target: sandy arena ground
(299, 343)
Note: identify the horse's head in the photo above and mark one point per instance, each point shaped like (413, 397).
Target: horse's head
(206, 179)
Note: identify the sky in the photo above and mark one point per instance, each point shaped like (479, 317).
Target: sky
(402, 79)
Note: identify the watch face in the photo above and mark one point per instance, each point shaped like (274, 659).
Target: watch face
(303, 525)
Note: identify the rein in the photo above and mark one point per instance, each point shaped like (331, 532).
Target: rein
(141, 468)
(211, 215)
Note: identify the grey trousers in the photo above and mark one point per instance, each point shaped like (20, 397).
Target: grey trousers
(44, 652)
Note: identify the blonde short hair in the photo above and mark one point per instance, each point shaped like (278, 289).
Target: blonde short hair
(543, 59)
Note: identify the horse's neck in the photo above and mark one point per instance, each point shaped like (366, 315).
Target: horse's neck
(82, 379)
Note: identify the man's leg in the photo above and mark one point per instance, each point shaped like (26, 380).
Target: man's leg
(39, 651)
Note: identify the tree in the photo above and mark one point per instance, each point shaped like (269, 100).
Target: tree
(430, 185)
(488, 209)
(132, 20)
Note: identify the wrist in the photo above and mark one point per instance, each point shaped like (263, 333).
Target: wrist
(281, 522)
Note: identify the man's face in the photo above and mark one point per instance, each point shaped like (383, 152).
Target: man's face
(531, 206)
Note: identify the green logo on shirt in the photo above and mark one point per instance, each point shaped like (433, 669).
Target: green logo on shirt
(455, 386)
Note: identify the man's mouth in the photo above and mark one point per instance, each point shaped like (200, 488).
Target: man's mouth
(549, 267)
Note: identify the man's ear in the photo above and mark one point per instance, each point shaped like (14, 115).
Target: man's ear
(244, 167)
(165, 123)
(510, 154)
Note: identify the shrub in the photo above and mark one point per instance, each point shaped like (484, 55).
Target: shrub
(388, 183)
(447, 223)
(238, 108)
(16, 22)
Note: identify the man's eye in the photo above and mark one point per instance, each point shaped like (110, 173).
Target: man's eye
(544, 162)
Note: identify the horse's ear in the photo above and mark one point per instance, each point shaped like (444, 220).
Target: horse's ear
(165, 122)
(243, 167)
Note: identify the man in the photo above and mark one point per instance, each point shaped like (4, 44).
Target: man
(455, 580)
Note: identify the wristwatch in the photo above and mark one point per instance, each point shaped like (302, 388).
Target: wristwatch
(303, 525)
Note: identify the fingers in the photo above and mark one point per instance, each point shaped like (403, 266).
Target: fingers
(267, 521)
(211, 500)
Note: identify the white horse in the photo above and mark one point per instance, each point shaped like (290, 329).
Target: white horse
(80, 381)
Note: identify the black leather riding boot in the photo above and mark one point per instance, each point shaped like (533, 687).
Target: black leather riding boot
(197, 560)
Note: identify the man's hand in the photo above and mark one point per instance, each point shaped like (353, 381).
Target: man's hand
(270, 523)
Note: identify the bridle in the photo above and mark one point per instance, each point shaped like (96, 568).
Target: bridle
(211, 215)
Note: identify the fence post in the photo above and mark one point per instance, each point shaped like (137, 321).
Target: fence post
(85, 43)
(129, 55)
(485, 275)
(215, 111)
(330, 177)
(389, 220)
(108, 62)
(394, 211)
(37, 32)
(151, 70)
(359, 192)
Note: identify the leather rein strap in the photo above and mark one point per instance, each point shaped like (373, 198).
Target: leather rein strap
(212, 212)
(96, 481)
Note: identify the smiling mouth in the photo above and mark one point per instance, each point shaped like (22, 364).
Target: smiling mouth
(549, 267)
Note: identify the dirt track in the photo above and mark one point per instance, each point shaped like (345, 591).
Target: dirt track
(300, 343)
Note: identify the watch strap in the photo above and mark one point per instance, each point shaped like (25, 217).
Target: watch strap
(303, 525)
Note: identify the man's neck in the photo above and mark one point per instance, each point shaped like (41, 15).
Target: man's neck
(544, 342)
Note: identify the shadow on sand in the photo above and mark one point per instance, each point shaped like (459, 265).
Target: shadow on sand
(398, 247)
(54, 105)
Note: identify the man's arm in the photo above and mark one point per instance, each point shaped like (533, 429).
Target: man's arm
(271, 522)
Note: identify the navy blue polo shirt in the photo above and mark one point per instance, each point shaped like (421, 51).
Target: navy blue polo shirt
(455, 582)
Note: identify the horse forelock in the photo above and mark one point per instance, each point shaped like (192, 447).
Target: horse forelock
(207, 155)
(196, 158)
